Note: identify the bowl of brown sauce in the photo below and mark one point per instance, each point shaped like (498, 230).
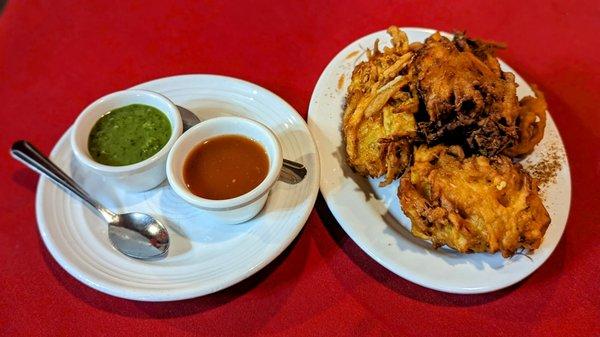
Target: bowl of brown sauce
(225, 166)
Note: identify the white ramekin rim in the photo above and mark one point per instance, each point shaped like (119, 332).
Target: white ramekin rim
(275, 164)
(82, 154)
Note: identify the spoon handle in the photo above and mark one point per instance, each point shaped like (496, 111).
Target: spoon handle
(26, 153)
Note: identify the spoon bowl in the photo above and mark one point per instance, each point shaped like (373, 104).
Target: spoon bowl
(139, 235)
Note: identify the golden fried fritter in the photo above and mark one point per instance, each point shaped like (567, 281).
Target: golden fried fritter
(475, 204)
(468, 100)
(378, 123)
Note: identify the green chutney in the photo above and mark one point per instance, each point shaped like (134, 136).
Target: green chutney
(128, 135)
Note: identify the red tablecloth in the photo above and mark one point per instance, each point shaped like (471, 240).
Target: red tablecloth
(58, 56)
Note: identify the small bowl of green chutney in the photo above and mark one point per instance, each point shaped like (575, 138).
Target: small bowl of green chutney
(126, 137)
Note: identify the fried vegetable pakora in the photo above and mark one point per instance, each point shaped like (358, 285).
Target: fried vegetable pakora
(378, 123)
(475, 204)
(468, 100)
(444, 117)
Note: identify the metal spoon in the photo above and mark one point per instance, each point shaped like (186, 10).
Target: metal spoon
(136, 235)
(291, 171)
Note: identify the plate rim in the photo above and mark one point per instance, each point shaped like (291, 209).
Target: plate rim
(364, 246)
(130, 292)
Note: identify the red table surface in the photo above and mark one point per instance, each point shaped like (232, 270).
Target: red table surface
(58, 56)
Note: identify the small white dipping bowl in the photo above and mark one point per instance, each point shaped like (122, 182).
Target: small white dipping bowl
(136, 177)
(245, 206)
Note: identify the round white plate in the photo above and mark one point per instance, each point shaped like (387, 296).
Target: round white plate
(372, 216)
(207, 257)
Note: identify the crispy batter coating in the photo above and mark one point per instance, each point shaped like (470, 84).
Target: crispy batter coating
(475, 204)
(378, 123)
(467, 99)
(531, 123)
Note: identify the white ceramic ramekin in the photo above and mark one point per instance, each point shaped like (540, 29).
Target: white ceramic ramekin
(245, 206)
(140, 176)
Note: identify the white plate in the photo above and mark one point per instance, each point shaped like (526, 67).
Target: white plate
(211, 257)
(372, 216)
